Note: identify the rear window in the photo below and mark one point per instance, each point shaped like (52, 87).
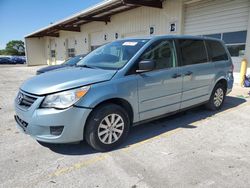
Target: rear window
(216, 51)
(192, 51)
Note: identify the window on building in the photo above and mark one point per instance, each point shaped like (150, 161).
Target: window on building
(162, 52)
(216, 51)
(216, 36)
(52, 53)
(235, 37)
(71, 52)
(236, 50)
(192, 51)
(235, 41)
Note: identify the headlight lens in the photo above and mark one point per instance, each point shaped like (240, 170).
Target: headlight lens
(64, 99)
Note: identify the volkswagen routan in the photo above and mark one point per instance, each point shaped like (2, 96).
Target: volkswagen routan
(121, 84)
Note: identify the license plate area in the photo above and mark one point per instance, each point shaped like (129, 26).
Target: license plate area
(21, 123)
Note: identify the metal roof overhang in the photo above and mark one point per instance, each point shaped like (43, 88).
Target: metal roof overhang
(102, 12)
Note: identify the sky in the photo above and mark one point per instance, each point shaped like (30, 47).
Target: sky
(21, 17)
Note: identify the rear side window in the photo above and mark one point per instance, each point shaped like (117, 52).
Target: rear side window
(216, 51)
(192, 51)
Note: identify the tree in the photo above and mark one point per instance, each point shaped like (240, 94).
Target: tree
(2, 52)
(14, 47)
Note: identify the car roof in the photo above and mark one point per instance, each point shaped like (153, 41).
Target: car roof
(157, 37)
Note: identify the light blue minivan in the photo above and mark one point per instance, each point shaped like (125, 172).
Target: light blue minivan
(121, 84)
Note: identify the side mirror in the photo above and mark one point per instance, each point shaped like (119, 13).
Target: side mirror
(145, 66)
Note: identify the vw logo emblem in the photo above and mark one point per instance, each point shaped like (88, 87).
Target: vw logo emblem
(20, 98)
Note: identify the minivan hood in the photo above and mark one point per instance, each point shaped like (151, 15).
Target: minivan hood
(64, 79)
(50, 68)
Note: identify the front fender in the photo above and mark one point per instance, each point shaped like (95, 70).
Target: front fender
(123, 88)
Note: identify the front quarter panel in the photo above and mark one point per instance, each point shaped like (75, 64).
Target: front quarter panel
(123, 88)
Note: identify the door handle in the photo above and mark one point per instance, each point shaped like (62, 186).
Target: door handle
(189, 73)
(176, 75)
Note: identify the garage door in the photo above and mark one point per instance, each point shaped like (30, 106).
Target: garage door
(96, 40)
(216, 16)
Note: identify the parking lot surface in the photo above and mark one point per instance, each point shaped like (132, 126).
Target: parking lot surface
(198, 148)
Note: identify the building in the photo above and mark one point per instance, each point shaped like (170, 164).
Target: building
(109, 20)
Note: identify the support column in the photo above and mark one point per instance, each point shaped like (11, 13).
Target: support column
(175, 14)
(247, 52)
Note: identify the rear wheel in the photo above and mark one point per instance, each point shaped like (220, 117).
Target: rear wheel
(107, 127)
(217, 97)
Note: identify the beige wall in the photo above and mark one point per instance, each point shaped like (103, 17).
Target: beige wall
(35, 51)
(131, 23)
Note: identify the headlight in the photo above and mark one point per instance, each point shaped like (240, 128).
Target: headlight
(64, 99)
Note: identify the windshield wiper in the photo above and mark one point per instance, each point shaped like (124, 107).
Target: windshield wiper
(85, 66)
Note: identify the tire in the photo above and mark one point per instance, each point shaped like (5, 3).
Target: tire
(106, 120)
(217, 97)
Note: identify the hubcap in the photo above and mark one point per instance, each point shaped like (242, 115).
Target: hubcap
(218, 97)
(110, 128)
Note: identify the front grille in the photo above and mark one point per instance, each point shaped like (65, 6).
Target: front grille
(25, 101)
(21, 123)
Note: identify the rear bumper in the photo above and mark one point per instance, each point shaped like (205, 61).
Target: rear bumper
(40, 120)
(230, 82)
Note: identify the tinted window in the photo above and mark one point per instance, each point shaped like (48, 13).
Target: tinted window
(216, 51)
(162, 52)
(192, 51)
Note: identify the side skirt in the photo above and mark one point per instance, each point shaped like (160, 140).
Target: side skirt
(168, 114)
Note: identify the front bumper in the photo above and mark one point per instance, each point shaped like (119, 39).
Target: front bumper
(39, 121)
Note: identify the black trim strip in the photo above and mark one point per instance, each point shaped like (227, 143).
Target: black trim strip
(82, 107)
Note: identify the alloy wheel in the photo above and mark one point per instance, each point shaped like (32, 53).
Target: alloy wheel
(110, 128)
(218, 97)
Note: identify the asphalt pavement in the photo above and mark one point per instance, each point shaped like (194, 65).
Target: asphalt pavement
(196, 148)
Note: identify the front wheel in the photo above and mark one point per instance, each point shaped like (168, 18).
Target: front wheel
(107, 127)
(217, 98)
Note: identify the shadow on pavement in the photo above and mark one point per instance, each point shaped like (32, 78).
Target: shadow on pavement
(149, 130)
